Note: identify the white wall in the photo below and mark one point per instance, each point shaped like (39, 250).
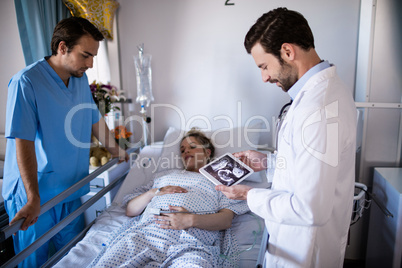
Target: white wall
(378, 81)
(11, 57)
(199, 62)
(385, 87)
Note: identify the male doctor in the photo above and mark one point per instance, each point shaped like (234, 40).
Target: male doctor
(308, 209)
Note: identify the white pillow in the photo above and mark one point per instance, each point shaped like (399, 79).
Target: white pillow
(142, 171)
(225, 141)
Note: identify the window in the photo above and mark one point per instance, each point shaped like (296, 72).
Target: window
(101, 67)
(100, 72)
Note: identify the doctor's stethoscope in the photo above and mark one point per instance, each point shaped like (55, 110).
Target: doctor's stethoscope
(279, 121)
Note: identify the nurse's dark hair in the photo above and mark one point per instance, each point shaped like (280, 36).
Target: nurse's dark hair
(70, 30)
(202, 139)
(279, 26)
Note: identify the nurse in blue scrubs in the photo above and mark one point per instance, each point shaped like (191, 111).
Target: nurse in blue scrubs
(50, 117)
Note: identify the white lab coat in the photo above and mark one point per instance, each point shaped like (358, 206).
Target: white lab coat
(308, 209)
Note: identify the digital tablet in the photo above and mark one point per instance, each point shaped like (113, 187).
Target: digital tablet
(226, 170)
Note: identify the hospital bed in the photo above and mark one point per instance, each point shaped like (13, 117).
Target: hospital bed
(248, 228)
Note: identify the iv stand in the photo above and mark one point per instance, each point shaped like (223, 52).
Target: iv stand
(143, 100)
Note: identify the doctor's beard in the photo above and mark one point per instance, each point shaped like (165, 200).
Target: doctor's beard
(287, 77)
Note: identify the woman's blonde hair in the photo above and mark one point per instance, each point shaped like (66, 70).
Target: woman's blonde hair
(202, 139)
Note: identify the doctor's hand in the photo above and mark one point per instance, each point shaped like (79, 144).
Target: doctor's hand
(256, 160)
(175, 221)
(237, 192)
(30, 212)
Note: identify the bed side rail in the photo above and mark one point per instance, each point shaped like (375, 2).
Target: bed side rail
(263, 248)
(9, 230)
(60, 254)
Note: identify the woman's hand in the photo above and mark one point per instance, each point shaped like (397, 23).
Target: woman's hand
(138, 204)
(175, 221)
(170, 190)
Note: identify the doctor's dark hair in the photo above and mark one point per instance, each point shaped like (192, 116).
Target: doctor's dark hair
(279, 26)
(202, 139)
(70, 30)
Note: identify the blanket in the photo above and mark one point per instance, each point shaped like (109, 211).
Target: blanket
(140, 242)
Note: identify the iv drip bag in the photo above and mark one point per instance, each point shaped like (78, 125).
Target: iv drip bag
(143, 70)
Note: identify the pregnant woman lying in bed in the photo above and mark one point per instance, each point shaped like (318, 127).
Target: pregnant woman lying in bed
(190, 238)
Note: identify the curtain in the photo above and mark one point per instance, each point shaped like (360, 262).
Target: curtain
(36, 20)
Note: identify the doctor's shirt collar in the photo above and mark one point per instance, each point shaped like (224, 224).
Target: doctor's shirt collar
(295, 89)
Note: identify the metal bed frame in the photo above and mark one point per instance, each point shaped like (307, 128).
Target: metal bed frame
(9, 230)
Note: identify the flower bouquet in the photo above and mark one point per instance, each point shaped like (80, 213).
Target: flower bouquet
(121, 136)
(105, 95)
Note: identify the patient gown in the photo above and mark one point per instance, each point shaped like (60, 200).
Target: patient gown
(140, 242)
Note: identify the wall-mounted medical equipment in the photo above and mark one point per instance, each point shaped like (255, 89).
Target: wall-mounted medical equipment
(142, 63)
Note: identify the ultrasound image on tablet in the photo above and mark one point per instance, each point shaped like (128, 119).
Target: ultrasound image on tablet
(226, 170)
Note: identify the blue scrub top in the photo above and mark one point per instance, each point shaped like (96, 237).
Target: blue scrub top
(59, 120)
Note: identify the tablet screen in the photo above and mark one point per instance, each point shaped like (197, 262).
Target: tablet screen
(226, 170)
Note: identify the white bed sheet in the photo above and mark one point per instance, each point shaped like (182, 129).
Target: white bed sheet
(248, 228)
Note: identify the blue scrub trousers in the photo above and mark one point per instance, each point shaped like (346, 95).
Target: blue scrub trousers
(46, 221)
